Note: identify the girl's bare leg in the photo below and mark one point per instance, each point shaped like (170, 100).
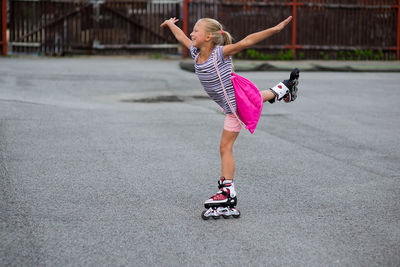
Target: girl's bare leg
(227, 141)
(267, 95)
(226, 150)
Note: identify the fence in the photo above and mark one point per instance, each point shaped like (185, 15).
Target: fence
(56, 27)
(3, 27)
(334, 29)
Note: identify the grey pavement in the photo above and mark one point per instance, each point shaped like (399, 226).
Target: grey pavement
(93, 173)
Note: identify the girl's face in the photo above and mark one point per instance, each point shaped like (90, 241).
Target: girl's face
(199, 35)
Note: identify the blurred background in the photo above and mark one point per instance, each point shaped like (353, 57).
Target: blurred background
(321, 29)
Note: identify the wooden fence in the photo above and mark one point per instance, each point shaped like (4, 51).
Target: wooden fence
(333, 29)
(3, 27)
(57, 27)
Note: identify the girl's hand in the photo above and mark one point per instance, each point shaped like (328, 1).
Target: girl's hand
(283, 24)
(178, 33)
(168, 21)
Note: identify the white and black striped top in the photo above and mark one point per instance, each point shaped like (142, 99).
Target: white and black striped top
(208, 77)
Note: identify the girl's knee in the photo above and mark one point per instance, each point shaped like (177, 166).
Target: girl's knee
(227, 141)
(225, 148)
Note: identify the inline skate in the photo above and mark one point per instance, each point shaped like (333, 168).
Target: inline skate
(287, 90)
(223, 203)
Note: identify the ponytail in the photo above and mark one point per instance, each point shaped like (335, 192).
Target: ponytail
(226, 38)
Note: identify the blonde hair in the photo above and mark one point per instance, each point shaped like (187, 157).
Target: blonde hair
(219, 36)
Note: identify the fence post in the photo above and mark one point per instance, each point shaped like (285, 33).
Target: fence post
(185, 25)
(294, 5)
(4, 27)
(398, 31)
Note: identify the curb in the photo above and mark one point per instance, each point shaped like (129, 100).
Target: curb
(247, 66)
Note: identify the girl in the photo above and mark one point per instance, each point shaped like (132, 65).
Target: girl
(211, 48)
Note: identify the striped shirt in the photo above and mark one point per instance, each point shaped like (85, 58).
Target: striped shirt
(208, 77)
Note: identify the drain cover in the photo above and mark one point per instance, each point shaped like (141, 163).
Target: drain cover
(155, 99)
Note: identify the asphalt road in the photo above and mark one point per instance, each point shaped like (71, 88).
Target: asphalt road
(89, 177)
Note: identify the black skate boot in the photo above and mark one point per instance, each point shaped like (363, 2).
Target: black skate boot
(223, 203)
(287, 90)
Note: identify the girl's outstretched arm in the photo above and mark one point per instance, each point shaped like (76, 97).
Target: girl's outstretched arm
(178, 33)
(232, 49)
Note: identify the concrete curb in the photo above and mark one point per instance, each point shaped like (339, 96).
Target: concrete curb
(337, 66)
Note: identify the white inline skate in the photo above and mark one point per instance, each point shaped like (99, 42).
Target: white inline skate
(287, 90)
(223, 203)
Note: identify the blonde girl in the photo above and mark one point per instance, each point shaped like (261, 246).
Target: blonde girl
(211, 48)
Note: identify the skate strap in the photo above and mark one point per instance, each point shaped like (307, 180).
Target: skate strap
(223, 185)
(280, 90)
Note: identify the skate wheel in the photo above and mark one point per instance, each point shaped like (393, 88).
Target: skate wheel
(226, 216)
(295, 74)
(203, 216)
(236, 215)
(287, 98)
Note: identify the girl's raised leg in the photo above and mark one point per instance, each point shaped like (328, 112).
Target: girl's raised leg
(267, 95)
